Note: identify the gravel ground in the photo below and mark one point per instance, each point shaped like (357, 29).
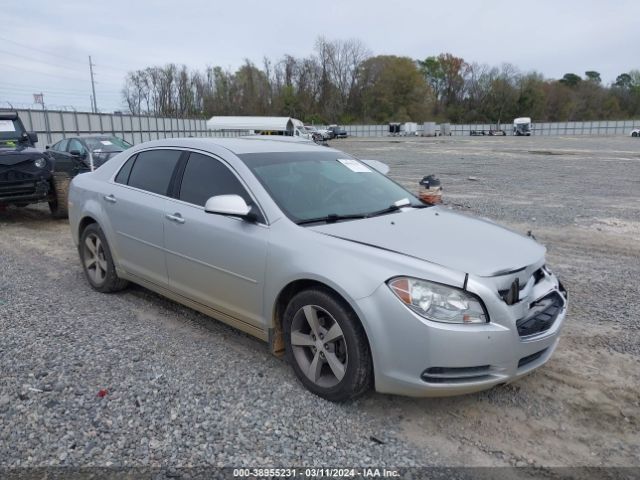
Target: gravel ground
(184, 390)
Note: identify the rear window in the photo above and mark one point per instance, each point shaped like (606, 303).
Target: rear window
(152, 170)
(125, 171)
(11, 130)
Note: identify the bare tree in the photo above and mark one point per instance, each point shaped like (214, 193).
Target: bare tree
(340, 61)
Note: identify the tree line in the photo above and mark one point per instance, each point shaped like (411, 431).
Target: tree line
(343, 82)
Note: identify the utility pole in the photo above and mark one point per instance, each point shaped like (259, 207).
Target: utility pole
(93, 87)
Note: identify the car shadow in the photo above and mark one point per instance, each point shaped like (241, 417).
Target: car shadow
(29, 214)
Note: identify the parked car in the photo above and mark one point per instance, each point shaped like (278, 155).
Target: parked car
(314, 134)
(323, 132)
(635, 132)
(355, 279)
(29, 175)
(491, 133)
(91, 150)
(337, 131)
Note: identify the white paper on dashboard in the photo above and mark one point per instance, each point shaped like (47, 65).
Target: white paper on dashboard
(354, 165)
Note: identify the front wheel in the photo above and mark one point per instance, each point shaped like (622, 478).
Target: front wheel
(326, 346)
(97, 261)
(635, 134)
(58, 205)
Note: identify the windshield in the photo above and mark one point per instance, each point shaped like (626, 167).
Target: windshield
(11, 131)
(106, 144)
(319, 184)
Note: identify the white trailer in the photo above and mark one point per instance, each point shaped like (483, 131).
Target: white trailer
(409, 129)
(522, 126)
(260, 126)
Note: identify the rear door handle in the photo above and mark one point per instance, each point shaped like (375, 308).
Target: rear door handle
(176, 217)
(110, 198)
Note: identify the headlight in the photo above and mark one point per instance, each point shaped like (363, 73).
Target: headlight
(438, 302)
(40, 162)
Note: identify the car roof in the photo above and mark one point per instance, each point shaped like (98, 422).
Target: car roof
(84, 137)
(238, 146)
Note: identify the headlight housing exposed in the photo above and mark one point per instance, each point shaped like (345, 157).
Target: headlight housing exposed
(40, 162)
(438, 302)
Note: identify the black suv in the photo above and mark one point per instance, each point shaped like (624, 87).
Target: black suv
(29, 175)
(336, 131)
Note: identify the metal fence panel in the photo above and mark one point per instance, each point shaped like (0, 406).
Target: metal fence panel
(53, 126)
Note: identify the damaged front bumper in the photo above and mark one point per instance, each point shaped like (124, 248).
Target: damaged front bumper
(418, 357)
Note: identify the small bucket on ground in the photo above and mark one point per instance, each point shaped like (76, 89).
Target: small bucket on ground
(432, 192)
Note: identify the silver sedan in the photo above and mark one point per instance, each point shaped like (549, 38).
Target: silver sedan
(324, 257)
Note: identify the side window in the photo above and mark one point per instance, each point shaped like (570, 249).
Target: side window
(205, 177)
(75, 145)
(153, 169)
(125, 171)
(60, 146)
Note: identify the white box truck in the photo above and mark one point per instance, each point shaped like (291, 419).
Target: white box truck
(522, 126)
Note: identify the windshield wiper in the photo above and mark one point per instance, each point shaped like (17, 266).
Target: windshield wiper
(394, 207)
(331, 218)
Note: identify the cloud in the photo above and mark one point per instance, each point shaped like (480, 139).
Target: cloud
(550, 37)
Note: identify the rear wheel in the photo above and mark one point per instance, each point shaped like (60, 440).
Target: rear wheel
(97, 261)
(58, 205)
(634, 134)
(326, 346)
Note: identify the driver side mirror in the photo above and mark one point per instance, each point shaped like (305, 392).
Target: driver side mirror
(33, 137)
(77, 153)
(232, 205)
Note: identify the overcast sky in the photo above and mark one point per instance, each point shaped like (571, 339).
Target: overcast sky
(44, 45)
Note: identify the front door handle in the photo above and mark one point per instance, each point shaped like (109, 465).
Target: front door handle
(176, 217)
(110, 198)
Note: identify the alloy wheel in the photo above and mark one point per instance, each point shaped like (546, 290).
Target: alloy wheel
(95, 262)
(318, 345)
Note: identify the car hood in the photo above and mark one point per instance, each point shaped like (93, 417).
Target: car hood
(466, 244)
(12, 155)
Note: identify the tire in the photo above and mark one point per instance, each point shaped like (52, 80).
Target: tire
(634, 134)
(58, 205)
(343, 368)
(101, 272)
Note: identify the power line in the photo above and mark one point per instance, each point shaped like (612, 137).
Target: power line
(51, 74)
(69, 59)
(27, 87)
(22, 57)
(54, 93)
